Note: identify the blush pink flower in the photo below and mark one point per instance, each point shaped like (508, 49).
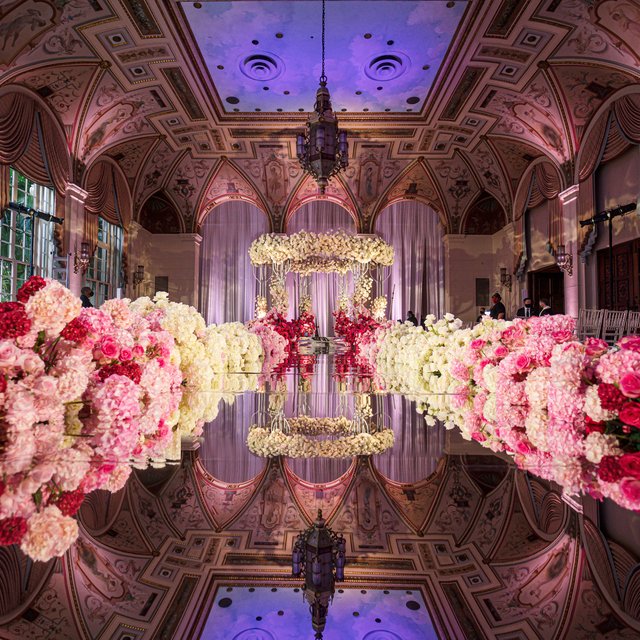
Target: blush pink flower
(501, 351)
(630, 488)
(108, 347)
(630, 343)
(49, 534)
(630, 384)
(126, 354)
(523, 362)
(595, 347)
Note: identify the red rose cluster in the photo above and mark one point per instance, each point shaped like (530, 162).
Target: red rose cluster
(13, 320)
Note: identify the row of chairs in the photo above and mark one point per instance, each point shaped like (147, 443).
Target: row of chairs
(606, 324)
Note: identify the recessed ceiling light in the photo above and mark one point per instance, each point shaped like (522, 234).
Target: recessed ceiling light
(286, 93)
(278, 109)
(233, 100)
(367, 36)
(358, 93)
(255, 42)
(378, 88)
(265, 88)
(221, 67)
(197, 5)
(257, 109)
(279, 35)
(300, 109)
(409, 109)
(426, 67)
(451, 4)
(365, 109)
(342, 109)
(390, 42)
(387, 109)
(413, 100)
(236, 109)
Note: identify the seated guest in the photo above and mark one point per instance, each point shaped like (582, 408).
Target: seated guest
(412, 318)
(526, 311)
(545, 309)
(498, 310)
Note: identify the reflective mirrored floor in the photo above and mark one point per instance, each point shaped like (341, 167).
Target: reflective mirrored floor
(442, 538)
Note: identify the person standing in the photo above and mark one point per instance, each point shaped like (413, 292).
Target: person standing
(411, 317)
(498, 310)
(480, 315)
(545, 309)
(526, 311)
(85, 294)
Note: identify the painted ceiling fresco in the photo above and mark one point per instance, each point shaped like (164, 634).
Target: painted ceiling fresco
(381, 56)
(508, 81)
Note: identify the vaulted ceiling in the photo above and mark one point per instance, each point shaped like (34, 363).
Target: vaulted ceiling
(492, 86)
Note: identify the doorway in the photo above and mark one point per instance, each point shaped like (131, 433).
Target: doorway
(547, 283)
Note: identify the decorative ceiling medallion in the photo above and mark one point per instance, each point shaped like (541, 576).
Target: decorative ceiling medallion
(387, 66)
(261, 66)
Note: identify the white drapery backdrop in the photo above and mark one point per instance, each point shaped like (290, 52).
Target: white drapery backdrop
(319, 216)
(417, 276)
(227, 284)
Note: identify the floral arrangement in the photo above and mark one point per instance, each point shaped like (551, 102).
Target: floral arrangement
(261, 307)
(357, 331)
(308, 252)
(379, 308)
(304, 306)
(566, 411)
(85, 394)
(300, 443)
(196, 358)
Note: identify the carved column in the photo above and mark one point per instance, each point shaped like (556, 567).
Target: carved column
(572, 276)
(74, 199)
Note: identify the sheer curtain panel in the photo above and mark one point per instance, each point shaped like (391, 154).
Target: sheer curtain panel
(416, 279)
(320, 216)
(227, 283)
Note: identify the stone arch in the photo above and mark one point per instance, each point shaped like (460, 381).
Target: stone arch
(414, 183)
(306, 192)
(227, 183)
(482, 214)
(159, 214)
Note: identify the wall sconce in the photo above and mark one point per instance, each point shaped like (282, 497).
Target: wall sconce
(564, 260)
(505, 278)
(81, 260)
(138, 275)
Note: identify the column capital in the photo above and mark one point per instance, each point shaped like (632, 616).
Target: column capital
(75, 192)
(569, 194)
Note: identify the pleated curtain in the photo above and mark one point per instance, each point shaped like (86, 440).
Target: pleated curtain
(227, 283)
(416, 278)
(320, 216)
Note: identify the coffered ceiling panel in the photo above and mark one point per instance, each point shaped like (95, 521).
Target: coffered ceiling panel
(266, 56)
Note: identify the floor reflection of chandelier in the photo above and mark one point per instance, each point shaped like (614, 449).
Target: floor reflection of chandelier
(319, 555)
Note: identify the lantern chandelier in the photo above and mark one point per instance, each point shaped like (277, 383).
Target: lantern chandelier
(323, 150)
(319, 555)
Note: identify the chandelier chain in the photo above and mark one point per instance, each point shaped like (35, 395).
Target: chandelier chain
(323, 77)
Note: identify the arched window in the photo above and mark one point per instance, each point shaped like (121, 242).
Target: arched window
(26, 234)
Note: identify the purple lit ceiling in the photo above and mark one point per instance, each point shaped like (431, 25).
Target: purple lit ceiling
(261, 613)
(381, 56)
